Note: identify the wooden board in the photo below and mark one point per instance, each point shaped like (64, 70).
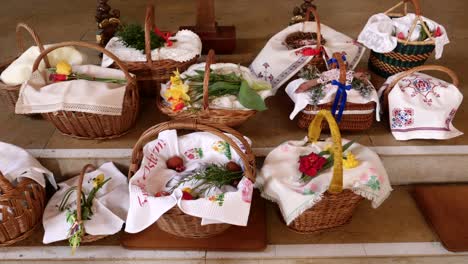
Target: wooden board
(236, 238)
(446, 210)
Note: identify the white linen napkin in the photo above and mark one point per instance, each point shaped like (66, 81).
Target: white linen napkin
(16, 163)
(229, 205)
(109, 208)
(20, 69)
(279, 178)
(187, 46)
(422, 107)
(276, 64)
(39, 96)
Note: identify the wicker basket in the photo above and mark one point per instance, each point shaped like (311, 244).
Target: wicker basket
(363, 120)
(86, 238)
(337, 205)
(95, 126)
(175, 221)
(21, 209)
(9, 93)
(292, 40)
(407, 54)
(151, 74)
(446, 70)
(228, 117)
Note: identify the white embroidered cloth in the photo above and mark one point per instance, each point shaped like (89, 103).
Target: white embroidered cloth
(276, 64)
(109, 208)
(229, 205)
(422, 107)
(228, 101)
(37, 95)
(301, 100)
(16, 163)
(378, 33)
(279, 178)
(187, 46)
(20, 69)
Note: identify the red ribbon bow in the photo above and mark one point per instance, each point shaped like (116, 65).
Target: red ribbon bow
(165, 35)
(309, 52)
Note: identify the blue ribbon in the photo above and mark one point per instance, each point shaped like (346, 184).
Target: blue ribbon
(333, 60)
(340, 98)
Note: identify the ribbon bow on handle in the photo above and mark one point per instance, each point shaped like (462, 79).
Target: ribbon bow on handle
(165, 35)
(341, 94)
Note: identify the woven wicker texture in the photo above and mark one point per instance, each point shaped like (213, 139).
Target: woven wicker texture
(9, 93)
(446, 70)
(292, 40)
(175, 221)
(151, 74)
(349, 122)
(86, 238)
(407, 54)
(337, 205)
(21, 209)
(96, 126)
(228, 117)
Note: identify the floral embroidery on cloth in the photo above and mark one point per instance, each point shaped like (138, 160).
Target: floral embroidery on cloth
(223, 147)
(194, 153)
(218, 199)
(247, 191)
(424, 87)
(402, 117)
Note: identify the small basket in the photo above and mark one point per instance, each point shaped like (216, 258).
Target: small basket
(151, 74)
(228, 117)
(292, 41)
(9, 93)
(86, 238)
(337, 205)
(95, 126)
(174, 221)
(446, 70)
(21, 209)
(407, 54)
(363, 120)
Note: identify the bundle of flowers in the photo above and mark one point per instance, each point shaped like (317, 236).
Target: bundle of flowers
(63, 72)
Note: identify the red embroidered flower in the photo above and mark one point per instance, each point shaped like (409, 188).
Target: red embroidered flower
(161, 194)
(400, 35)
(438, 32)
(58, 77)
(311, 164)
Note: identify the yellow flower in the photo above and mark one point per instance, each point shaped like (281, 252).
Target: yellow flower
(328, 147)
(350, 161)
(63, 68)
(176, 79)
(187, 190)
(98, 180)
(177, 92)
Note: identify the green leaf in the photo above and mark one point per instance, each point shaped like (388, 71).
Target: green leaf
(249, 98)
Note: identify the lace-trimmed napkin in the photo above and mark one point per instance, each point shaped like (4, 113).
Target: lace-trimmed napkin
(276, 64)
(39, 96)
(187, 46)
(109, 208)
(422, 107)
(227, 205)
(301, 100)
(279, 178)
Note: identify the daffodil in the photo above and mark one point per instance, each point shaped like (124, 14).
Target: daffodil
(98, 180)
(187, 189)
(328, 147)
(176, 79)
(177, 92)
(64, 68)
(350, 161)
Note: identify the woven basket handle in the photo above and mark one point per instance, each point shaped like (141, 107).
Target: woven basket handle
(20, 40)
(5, 184)
(149, 25)
(341, 65)
(210, 59)
(317, 20)
(193, 124)
(448, 71)
(117, 61)
(315, 129)
(79, 189)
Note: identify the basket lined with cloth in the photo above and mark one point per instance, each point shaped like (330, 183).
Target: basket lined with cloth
(421, 106)
(399, 42)
(87, 207)
(349, 95)
(318, 184)
(223, 93)
(196, 185)
(154, 66)
(84, 101)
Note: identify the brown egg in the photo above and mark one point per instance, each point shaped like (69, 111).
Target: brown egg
(232, 166)
(175, 163)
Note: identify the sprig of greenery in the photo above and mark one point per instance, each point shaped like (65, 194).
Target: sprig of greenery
(310, 72)
(133, 35)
